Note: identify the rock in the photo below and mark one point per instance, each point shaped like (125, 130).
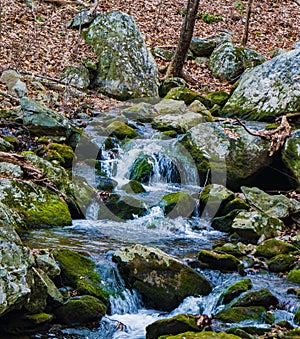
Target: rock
(272, 247)
(201, 335)
(297, 317)
(197, 107)
(142, 168)
(14, 84)
(162, 281)
(66, 154)
(235, 290)
(143, 112)
(294, 276)
(186, 95)
(42, 121)
(170, 106)
(121, 208)
(170, 83)
(219, 97)
(78, 271)
(45, 261)
(233, 156)
(227, 62)
(181, 123)
(291, 156)
(178, 204)
(201, 47)
(262, 297)
(80, 310)
(282, 263)
(172, 326)
(240, 333)
(238, 314)
(163, 53)
(106, 184)
(126, 69)
(121, 131)
(5, 146)
(82, 19)
(222, 262)
(278, 206)
(133, 187)
(76, 76)
(268, 90)
(253, 225)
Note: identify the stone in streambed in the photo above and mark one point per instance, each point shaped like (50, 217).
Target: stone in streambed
(282, 263)
(272, 247)
(201, 335)
(262, 297)
(133, 186)
(178, 204)
(238, 314)
(235, 290)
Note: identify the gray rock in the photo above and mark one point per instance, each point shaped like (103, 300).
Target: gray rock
(14, 84)
(82, 19)
(202, 47)
(76, 76)
(227, 62)
(163, 53)
(126, 69)
(268, 90)
(170, 106)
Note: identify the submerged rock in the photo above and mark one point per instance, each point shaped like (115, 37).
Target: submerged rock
(126, 69)
(268, 90)
(162, 280)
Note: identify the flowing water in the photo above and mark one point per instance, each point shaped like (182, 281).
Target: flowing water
(173, 170)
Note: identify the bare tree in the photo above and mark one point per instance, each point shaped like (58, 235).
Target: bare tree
(175, 68)
(246, 31)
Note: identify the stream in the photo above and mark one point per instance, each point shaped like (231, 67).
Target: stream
(173, 171)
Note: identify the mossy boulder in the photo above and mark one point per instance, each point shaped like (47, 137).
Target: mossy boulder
(143, 112)
(170, 106)
(121, 131)
(294, 276)
(162, 281)
(272, 247)
(268, 90)
(105, 184)
(142, 168)
(222, 262)
(133, 186)
(219, 97)
(172, 326)
(235, 290)
(198, 107)
(239, 314)
(253, 225)
(186, 95)
(201, 335)
(118, 207)
(225, 222)
(170, 83)
(125, 69)
(262, 297)
(5, 146)
(82, 310)
(66, 152)
(76, 76)
(236, 250)
(282, 263)
(178, 204)
(240, 333)
(202, 47)
(78, 271)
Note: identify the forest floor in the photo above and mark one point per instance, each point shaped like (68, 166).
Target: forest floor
(34, 37)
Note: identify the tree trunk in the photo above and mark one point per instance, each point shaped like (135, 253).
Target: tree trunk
(176, 66)
(246, 31)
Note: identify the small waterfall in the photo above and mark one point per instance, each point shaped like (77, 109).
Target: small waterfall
(92, 210)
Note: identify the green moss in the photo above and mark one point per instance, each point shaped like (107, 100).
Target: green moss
(222, 262)
(39, 318)
(218, 97)
(273, 247)
(78, 271)
(238, 314)
(133, 186)
(188, 96)
(169, 134)
(282, 263)
(262, 297)
(178, 204)
(236, 289)
(142, 168)
(121, 131)
(239, 332)
(201, 335)
(224, 223)
(294, 276)
(65, 152)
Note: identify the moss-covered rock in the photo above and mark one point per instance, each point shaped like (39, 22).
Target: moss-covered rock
(121, 131)
(218, 97)
(186, 95)
(222, 262)
(65, 152)
(272, 247)
(282, 263)
(76, 76)
(198, 107)
(294, 276)
(133, 186)
(170, 83)
(142, 168)
(238, 314)
(162, 281)
(81, 310)
(262, 297)
(78, 271)
(224, 223)
(201, 47)
(178, 204)
(201, 335)
(172, 326)
(105, 184)
(240, 333)
(235, 290)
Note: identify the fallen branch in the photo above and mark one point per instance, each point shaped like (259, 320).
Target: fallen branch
(277, 136)
(12, 97)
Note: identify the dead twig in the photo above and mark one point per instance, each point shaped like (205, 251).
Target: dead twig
(12, 97)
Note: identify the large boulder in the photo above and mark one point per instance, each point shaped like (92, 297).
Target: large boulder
(178, 204)
(126, 69)
(162, 280)
(233, 156)
(227, 61)
(268, 90)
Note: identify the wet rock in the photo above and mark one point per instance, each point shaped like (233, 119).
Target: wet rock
(126, 69)
(294, 276)
(235, 290)
(240, 333)
(172, 326)
(227, 61)
(268, 90)
(170, 83)
(262, 297)
(80, 310)
(133, 186)
(282, 263)
(178, 204)
(278, 206)
(106, 184)
(78, 271)
(142, 168)
(273, 247)
(238, 314)
(121, 131)
(297, 317)
(201, 335)
(253, 226)
(170, 106)
(143, 112)
(222, 262)
(162, 280)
